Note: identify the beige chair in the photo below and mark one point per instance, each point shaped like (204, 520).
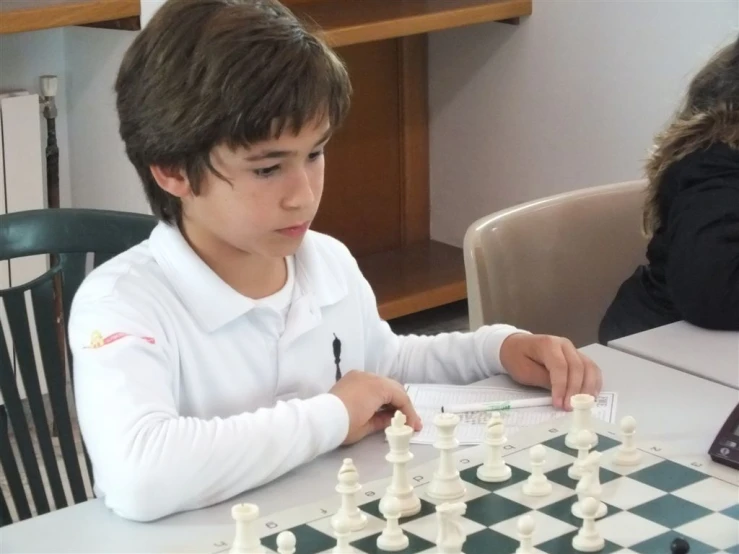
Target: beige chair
(554, 265)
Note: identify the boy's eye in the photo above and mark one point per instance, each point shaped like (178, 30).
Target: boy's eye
(266, 171)
(315, 155)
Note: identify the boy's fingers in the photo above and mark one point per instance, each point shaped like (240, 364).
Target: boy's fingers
(554, 360)
(380, 421)
(396, 396)
(534, 374)
(593, 380)
(575, 373)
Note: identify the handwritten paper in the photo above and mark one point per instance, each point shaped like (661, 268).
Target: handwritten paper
(429, 399)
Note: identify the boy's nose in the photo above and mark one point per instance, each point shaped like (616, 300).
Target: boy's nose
(301, 191)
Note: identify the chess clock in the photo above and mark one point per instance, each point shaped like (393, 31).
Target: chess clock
(725, 449)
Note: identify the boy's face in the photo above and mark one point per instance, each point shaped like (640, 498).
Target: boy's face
(273, 195)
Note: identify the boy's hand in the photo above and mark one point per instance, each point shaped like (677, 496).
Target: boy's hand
(371, 401)
(552, 363)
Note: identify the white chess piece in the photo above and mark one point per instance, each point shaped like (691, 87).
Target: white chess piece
(537, 484)
(584, 444)
(392, 538)
(582, 405)
(446, 483)
(627, 453)
(494, 470)
(589, 487)
(348, 487)
(246, 540)
(398, 437)
(526, 527)
(342, 532)
(286, 543)
(588, 539)
(450, 537)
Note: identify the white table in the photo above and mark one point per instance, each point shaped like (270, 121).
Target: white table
(667, 404)
(709, 354)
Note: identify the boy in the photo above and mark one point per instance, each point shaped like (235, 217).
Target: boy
(213, 365)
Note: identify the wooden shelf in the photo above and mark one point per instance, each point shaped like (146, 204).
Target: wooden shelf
(415, 278)
(344, 22)
(347, 22)
(30, 15)
(382, 42)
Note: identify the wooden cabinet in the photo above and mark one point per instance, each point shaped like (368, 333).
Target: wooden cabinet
(376, 197)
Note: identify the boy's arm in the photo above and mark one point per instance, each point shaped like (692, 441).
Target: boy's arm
(453, 358)
(151, 462)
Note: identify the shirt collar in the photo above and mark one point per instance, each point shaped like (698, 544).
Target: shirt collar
(318, 276)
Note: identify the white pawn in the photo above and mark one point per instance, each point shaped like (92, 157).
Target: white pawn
(246, 540)
(446, 483)
(342, 532)
(584, 444)
(494, 470)
(627, 453)
(392, 538)
(537, 484)
(286, 543)
(348, 487)
(588, 539)
(589, 487)
(526, 527)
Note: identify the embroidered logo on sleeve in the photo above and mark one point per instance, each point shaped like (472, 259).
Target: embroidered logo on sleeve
(97, 340)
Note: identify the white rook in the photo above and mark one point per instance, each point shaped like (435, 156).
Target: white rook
(246, 540)
(582, 405)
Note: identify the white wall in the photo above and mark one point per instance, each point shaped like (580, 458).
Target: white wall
(93, 169)
(102, 175)
(148, 9)
(24, 57)
(570, 98)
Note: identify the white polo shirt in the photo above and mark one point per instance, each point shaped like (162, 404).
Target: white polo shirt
(189, 393)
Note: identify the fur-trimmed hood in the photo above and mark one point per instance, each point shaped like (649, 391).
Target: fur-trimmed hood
(683, 137)
(686, 136)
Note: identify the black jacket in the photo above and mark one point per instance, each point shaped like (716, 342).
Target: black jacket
(693, 270)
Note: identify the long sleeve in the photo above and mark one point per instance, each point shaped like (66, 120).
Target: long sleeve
(149, 460)
(703, 261)
(452, 358)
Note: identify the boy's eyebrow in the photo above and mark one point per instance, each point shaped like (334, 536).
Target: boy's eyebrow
(279, 154)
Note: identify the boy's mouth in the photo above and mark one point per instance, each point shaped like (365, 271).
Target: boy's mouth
(296, 230)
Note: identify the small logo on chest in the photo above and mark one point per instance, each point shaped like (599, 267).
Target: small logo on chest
(337, 355)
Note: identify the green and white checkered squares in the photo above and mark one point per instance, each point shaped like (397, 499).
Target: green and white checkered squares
(648, 505)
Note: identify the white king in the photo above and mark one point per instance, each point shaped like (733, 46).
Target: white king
(399, 437)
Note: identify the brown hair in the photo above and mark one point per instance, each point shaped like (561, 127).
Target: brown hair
(709, 114)
(210, 72)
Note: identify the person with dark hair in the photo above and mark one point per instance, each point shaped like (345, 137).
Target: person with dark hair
(691, 214)
(235, 343)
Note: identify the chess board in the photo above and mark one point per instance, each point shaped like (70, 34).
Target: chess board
(668, 495)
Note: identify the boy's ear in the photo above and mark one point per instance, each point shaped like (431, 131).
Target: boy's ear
(172, 180)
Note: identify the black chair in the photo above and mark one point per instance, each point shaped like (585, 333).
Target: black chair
(70, 237)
